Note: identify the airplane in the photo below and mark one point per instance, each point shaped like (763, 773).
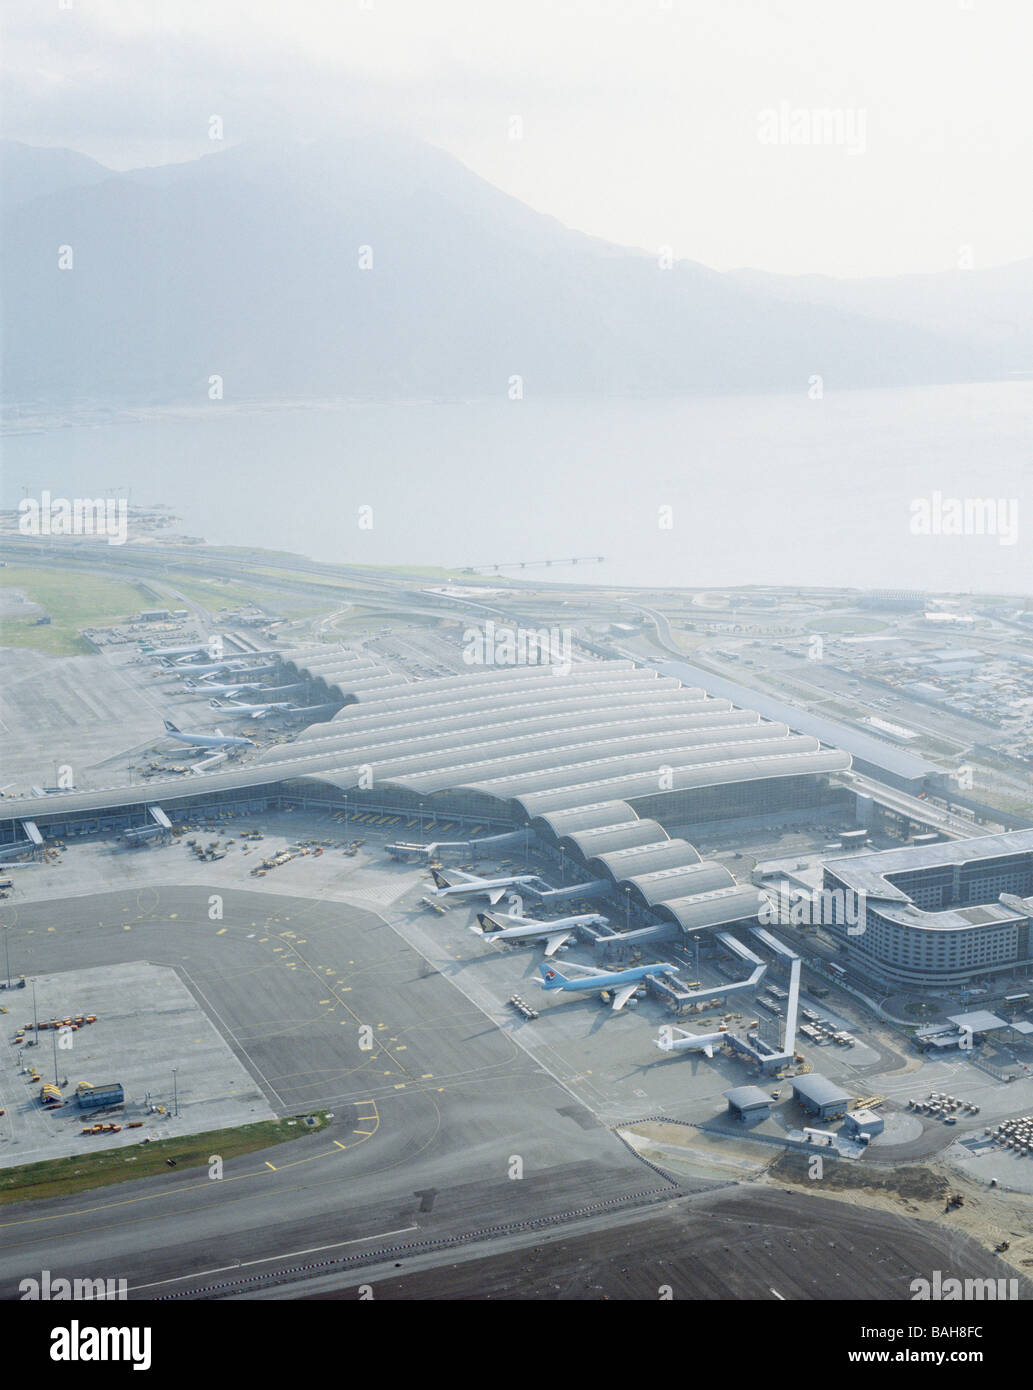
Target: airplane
(259, 711)
(201, 649)
(556, 932)
(627, 981)
(205, 686)
(216, 740)
(689, 1042)
(204, 670)
(494, 888)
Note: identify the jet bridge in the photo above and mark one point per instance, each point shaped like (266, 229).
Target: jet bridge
(737, 948)
(598, 887)
(35, 838)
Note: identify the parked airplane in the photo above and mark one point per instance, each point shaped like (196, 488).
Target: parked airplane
(259, 711)
(623, 982)
(201, 649)
(205, 686)
(462, 884)
(689, 1042)
(179, 669)
(555, 933)
(216, 740)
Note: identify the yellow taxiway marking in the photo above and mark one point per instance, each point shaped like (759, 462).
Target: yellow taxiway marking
(344, 1146)
(427, 1076)
(269, 1165)
(221, 931)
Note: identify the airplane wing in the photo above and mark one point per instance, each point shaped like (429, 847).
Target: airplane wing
(495, 894)
(709, 1049)
(622, 995)
(555, 941)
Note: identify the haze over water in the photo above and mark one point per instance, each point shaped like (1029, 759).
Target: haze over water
(764, 489)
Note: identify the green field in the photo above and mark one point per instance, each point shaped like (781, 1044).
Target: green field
(59, 1177)
(73, 599)
(216, 593)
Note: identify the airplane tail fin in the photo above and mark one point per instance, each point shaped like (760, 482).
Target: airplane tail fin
(189, 684)
(214, 704)
(487, 923)
(439, 879)
(551, 977)
(170, 727)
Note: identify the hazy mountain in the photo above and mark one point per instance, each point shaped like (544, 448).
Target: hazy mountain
(991, 307)
(29, 172)
(246, 264)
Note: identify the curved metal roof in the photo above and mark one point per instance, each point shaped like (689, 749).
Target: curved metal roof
(621, 864)
(641, 785)
(496, 717)
(716, 909)
(603, 839)
(659, 763)
(682, 881)
(552, 761)
(595, 816)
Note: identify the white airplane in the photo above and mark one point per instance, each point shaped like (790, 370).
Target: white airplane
(216, 740)
(555, 933)
(258, 711)
(689, 1042)
(463, 884)
(207, 668)
(205, 686)
(201, 649)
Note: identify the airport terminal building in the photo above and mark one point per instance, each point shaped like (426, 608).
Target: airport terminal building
(943, 914)
(598, 761)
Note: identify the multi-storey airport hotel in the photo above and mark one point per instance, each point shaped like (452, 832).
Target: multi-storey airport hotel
(933, 915)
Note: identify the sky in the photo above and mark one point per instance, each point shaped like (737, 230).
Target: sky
(683, 124)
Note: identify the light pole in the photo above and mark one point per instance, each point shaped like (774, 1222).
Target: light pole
(627, 909)
(175, 1093)
(421, 820)
(35, 1018)
(55, 1056)
(7, 952)
(695, 941)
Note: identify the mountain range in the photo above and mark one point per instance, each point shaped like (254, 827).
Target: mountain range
(377, 266)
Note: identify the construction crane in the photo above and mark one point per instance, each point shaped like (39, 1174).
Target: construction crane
(533, 564)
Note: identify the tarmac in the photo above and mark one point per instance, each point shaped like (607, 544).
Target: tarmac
(453, 1119)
